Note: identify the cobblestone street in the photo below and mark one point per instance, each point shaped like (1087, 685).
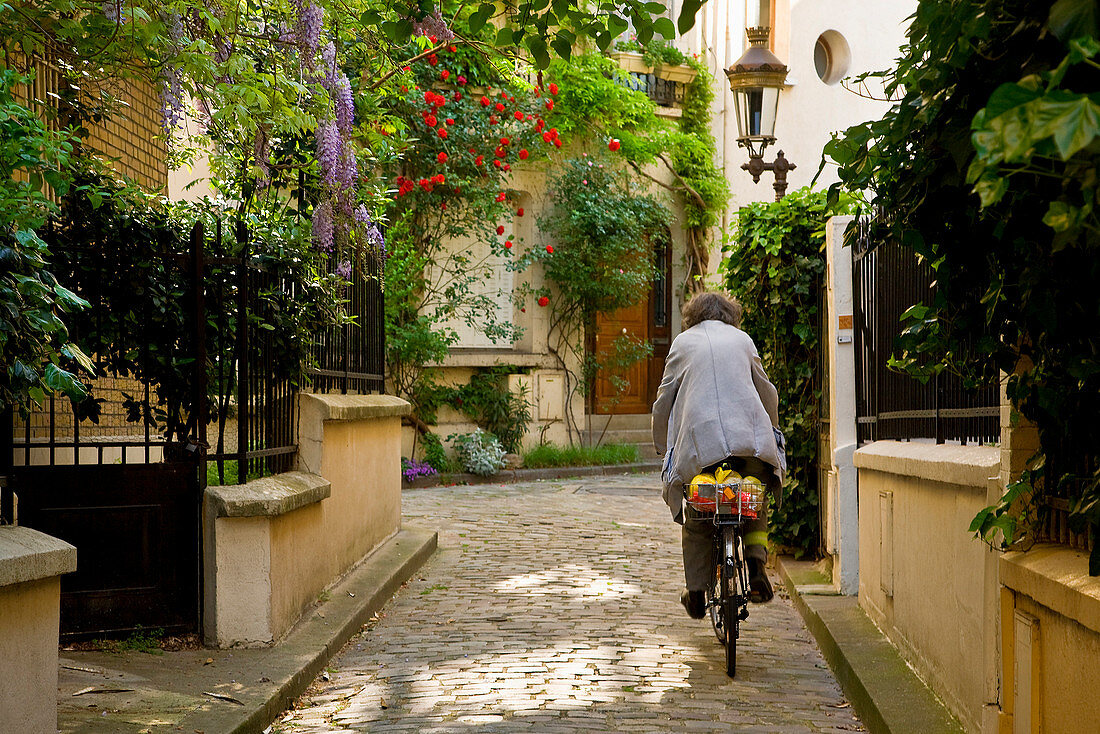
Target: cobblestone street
(554, 607)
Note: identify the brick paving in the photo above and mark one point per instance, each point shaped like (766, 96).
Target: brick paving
(554, 607)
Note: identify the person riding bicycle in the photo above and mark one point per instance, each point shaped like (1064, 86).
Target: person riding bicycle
(716, 405)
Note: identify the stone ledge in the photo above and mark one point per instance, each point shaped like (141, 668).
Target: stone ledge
(269, 496)
(356, 407)
(968, 466)
(28, 555)
(1057, 578)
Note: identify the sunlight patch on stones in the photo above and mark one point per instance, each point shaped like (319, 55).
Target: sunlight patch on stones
(570, 580)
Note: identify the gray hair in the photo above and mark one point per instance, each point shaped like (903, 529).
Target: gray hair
(711, 307)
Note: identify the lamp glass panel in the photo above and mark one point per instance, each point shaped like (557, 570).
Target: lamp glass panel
(756, 109)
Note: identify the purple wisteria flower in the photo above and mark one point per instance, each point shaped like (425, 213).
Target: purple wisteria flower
(375, 240)
(349, 174)
(344, 103)
(329, 151)
(344, 270)
(324, 232)
(433, 25)
(361, 214)
(171, 98)
(328, 62)
(308, 33)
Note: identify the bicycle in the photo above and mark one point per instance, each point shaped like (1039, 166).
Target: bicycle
(730, 501)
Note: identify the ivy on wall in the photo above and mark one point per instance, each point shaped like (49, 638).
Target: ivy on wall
(775, 267)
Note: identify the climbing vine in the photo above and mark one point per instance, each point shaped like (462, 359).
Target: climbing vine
(775, 267)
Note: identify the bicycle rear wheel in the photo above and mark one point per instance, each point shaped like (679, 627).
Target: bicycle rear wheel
(728, 601)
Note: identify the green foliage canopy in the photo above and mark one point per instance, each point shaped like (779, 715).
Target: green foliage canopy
(986, 165)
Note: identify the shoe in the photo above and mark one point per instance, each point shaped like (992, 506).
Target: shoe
(695, 603)
(760, 587)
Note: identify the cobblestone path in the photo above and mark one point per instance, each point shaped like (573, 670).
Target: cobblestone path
(554, 607)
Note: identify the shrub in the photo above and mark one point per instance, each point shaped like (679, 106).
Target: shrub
(479, 452)
(434, 454)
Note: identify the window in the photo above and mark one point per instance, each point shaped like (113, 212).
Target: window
(832, 57)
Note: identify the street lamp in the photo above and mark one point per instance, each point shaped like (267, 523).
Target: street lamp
(756, 80)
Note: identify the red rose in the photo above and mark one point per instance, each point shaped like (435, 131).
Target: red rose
(450, 121)
(500, 229)
(485, 102)
(549, 104)
(492, 119)
(508, 244)
(429, 96)
(496, 162)
(458, 96)
(547, 137)
(499, 152)
(553, 88)
(430, 120)
(433, 59)
(550, 249)
(442, 132)
(543, 300)
(557, 143)
(442, 157)
(444, 74)
(507, 166)
(433, 39)
(501, 196)
(452, 49)
(439, 178)
(523, 154)
(538, 127)
(461, 80)
(519, 116)
(519, 212)
(553, 132)
(499, 107)
(504, 141)
(613, 145)
(479, 160)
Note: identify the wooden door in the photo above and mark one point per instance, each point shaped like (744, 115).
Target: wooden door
(632, 390)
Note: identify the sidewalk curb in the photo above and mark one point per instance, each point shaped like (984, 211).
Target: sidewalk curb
(884, 691)
(529, 475)
(309, 646)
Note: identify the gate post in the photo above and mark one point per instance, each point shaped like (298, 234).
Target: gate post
(841, 498)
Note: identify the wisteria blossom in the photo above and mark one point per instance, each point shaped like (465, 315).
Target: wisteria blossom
(308, 34)
(344, 269)
(433, 25)
(324, 233)
(329, 151)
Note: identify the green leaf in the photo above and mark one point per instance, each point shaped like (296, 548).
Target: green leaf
(480, 17)
(537, 46)
(686, 19)
(1073, 123)
(665, 27)
(1074, 19)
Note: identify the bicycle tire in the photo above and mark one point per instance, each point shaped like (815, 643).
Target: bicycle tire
(714, 601)
(731, 638)
(729, 560)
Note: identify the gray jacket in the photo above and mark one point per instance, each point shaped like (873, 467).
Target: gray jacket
(715, 401)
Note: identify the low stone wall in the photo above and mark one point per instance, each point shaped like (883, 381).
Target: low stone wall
(273, 545)
(924, 579)
(1050, 639)
(31, 564)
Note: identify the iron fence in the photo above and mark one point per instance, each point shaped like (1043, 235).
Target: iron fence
(349, 356)
(238, 403)
(664, 92)
(887, 279)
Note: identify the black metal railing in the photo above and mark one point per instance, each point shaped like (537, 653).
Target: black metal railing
(239, 403)
(350, 356)
(888, 279)
(664, 92)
